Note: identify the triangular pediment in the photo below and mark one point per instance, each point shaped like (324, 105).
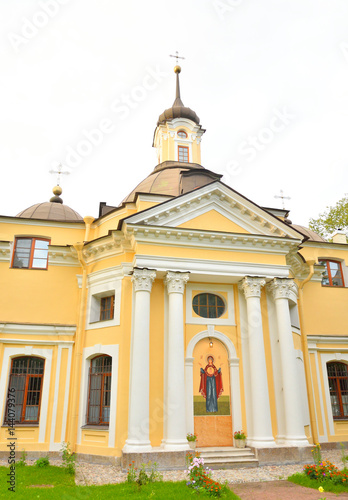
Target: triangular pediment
(215, 207)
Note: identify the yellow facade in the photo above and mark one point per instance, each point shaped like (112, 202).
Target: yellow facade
(151, 259)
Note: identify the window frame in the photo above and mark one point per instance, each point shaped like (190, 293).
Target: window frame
(337, 386)
(102, 391)
(208, 306)
(111, 309)
(32, 251)
(188, 154)
(24, 404)
(325, 262)
(182, 136)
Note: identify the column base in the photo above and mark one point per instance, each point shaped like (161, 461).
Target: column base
(295, 441)
(266, 442)
(136, 446)
(175, 445)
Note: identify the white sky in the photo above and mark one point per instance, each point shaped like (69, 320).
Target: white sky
(246, 62)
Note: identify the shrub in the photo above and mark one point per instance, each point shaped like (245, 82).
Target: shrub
(69, 458)
(143, 477)
(42, 462)
(23, 460)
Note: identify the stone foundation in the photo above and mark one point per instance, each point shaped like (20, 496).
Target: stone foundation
(282, 455)
(165, 460)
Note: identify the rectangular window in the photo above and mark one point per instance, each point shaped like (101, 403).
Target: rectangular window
(30, 253)
(107, 308)
(333, 273)
(338, 386)
(183, 154)
(26, 378)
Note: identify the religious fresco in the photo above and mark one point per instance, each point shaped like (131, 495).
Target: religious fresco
(211, 379)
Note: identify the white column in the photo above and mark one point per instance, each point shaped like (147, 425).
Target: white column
(138, 420)
(262, 427)
(176, 407)
(235, 394)
(282, 289)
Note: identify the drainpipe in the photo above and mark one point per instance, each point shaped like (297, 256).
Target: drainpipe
(79, 342)
(88, 221)
(306, 354)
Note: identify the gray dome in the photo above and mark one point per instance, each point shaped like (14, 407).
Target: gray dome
(50, 211)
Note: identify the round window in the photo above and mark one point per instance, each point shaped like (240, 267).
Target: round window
(208, 305)
(182, 134)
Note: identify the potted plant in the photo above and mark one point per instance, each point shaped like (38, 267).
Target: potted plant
(239, 439)
(192, 438)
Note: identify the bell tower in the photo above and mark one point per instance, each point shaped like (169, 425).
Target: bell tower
(178, 133)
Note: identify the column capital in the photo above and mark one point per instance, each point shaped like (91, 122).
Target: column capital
(142, 279)
(251, 286)
(282, 288)
(176, 281)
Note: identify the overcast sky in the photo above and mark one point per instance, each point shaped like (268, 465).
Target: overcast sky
(268, 79)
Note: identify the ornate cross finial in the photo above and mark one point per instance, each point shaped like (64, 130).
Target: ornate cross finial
(59, 172)
(177, 57)
(283, 197)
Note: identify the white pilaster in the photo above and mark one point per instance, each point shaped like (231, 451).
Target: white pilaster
(281, 289)
(176, 407)
(262, 427)
(138, 421)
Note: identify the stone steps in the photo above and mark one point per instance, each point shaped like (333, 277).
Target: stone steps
(228, 457)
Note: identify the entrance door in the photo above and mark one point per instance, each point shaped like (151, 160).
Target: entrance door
(211, 394)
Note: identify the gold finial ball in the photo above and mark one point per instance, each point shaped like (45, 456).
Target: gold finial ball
(57, 190)
(177, 69)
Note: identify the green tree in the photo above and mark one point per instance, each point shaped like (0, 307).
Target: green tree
(333, 218)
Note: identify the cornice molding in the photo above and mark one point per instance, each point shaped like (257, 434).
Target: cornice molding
(171, 236)
(36, 329)
(242, 211)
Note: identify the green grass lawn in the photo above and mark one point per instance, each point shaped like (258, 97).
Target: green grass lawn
(64, 487)
(312, 483)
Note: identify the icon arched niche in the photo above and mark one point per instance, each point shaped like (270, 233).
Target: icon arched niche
(213, 402)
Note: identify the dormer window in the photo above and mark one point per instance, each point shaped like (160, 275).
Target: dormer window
(183, 154)
(182, 134)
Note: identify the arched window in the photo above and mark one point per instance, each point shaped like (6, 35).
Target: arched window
(338, 385)
(208, 305)
(99, 391)
(26, 378)
(182, 134)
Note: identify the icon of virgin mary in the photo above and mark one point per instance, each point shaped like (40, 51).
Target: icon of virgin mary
(211, 385)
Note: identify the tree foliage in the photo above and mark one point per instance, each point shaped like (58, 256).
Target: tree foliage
(332, 219)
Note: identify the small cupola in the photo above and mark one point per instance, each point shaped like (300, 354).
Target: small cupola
(178, 133)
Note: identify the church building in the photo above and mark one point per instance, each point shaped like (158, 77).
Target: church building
(186, 308)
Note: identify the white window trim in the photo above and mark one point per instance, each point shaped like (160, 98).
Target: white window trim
(215, 289)
(103, 284)
(46, 354)
(88, 354)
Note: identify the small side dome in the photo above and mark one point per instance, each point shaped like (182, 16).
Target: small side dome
(51, 210)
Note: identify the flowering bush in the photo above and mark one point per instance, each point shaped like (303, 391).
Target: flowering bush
(200, 478)
(326, 471)
(316, 452)
(239, 435)
(191, 437)
(142, 477)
